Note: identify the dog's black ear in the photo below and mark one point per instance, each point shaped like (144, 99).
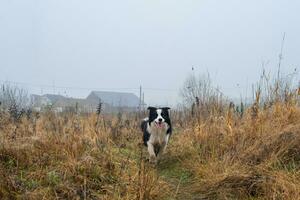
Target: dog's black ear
(151, 108)
(166, 108)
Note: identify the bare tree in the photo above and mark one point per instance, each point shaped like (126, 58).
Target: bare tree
(14, 100)
(201, 96)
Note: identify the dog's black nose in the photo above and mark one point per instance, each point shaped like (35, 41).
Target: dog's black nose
(160, 119)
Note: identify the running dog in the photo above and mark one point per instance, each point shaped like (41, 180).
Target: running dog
(157, 130)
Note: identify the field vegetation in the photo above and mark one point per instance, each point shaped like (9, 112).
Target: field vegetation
(218, 150)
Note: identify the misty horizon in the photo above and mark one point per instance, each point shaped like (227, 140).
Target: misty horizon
(74, 47)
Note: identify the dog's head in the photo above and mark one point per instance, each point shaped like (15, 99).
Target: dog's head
(159, 116)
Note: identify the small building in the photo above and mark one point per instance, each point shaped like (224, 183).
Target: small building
(58, 103)
(111, 102)
(114, 101)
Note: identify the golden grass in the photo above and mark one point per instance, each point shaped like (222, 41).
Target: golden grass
(220, 157)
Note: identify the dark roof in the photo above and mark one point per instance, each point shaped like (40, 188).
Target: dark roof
(117, 98)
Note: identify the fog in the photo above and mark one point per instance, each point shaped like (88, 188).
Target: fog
(73, 46)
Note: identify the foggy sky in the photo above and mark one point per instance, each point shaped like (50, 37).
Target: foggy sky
(120, 45)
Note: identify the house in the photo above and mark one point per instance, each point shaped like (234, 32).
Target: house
(111, 102)
(39, 102)
(58, 103)
(114, 100)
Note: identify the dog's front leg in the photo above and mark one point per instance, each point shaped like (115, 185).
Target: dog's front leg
(152, 155)
(162, 149)
(164, 144)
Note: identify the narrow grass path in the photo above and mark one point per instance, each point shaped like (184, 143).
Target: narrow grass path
(172, 170)
(178, 177)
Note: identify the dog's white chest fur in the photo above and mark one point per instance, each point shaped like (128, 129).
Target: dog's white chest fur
(158, 135)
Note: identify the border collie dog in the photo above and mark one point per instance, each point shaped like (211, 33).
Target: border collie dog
(157, 129)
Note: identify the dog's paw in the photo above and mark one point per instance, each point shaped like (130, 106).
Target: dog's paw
(153, 160)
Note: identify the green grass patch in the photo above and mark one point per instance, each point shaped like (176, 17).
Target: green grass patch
(53, 178)
(173, 170)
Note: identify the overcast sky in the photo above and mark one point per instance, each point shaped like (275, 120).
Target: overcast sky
(119, 45)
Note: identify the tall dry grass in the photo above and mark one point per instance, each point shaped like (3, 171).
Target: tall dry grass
(220, 155)
(72, 157)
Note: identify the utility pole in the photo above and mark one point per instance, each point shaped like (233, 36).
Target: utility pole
(280, 56)
(140, 106)
(143, 102)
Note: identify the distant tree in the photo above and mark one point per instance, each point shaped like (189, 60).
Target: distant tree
(14, 100)
(200, 95)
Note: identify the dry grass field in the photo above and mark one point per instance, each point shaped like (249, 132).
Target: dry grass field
(221, 156)
(210, 87)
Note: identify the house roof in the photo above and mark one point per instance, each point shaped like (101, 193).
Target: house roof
(117, 99)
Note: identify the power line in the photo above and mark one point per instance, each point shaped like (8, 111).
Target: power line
(85, 88)
(149, 89)
(62, 87)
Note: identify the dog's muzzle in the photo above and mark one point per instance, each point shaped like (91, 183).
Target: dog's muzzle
(160, 124)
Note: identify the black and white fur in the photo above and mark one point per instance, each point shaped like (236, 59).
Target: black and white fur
(157, 130)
